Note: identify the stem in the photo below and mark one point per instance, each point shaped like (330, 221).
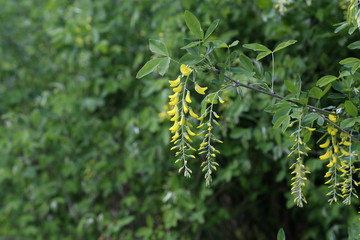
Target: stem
(239, 84)
(273, 70)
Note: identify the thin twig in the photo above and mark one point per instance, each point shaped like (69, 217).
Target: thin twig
(337, 126)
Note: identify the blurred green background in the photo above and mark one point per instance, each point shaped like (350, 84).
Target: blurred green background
(84, 145)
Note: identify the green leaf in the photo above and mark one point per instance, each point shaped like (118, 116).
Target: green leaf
(211, 29)
(348, 123)
(315, 92)
(283, 120)
(246, 63)
(355, 67)
(309, 118)
(157, 46)
(281, 234)
(283, 109)
(351, 108)
(193, 24)
(341, 27)
(234, 43)
(284, 45)
(256, 47)
(190, 59)
(285, 124)
(291, 87)
(307, 137)
(349, 60)
(219, 44)
(192, 44)
(163, 65)
(325, 80)
(262, 55)
(148, 67)
(354, 45)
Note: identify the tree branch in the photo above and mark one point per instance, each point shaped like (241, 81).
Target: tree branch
(310, 107)
(239, 84)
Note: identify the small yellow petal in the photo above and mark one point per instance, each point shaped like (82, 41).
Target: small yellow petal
(173, 111)
(194, 115)
(185, 107)
(175, 117)
(327, 155)
(175, 82)
(178, 89)
(174, 101)
(325, 144)
(182, 121)
(187, 98)
(185, 70)
(332, 118)
(191, 133)
(200, 90)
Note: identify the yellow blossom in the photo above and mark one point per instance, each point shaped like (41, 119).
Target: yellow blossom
(185, 107)
(175, 117)
(312, 129)
(325, 144)
(176, 136)
(187, 98)
(175, 82)
(344, 152)
(332, 117)
(185, 70)
(191, 133)
(194, 115)
(188, 138)
(330, 164)
(334, 159)
(327, 155)
(173, 111)
(200, 90)
(336, 149)
(203, 144)
(172, 97)
(174, 127)
(178, 89)
(174, 101)
(182, 121)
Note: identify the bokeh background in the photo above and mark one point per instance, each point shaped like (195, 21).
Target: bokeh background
(84, 144)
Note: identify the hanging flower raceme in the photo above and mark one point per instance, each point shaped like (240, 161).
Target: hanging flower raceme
(207, 144)
(181, 127)
(299, 151)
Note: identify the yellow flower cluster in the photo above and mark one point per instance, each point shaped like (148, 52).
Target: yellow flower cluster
(339, 162)
(299, 170)
(206, 146)
(182, 127)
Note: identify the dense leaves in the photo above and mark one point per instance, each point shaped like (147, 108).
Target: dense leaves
(84, 143)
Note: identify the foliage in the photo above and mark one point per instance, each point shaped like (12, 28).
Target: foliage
(84, 144)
